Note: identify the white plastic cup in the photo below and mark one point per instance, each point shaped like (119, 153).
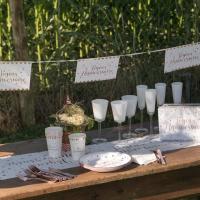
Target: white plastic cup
(177, 88)
(77, 144)
(131, 104)
(119, 110)
(54, 141)
(141, 95)
(150, 96)
(160, 93)
(99, 107)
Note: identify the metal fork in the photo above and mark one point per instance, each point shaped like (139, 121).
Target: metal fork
(33, 174)
(59, 174)
(27, 178)
(62, 173)
(45, 174)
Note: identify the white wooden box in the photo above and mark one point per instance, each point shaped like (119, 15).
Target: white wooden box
(179, 122)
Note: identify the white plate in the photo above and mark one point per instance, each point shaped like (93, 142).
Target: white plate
(105, 161)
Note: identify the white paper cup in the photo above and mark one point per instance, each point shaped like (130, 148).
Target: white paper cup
(54, 141)
(77, 144)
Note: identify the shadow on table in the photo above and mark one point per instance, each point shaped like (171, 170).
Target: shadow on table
(22, 147)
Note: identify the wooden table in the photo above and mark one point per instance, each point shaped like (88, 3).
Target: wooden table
(179, 178)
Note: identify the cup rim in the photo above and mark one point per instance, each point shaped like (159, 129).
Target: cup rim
(75, 135)
(118, 102)
(177, 83)
(150, 90)
(53, 128)
(129, 97)
(160, 84)
(142, 86)
(100, 100)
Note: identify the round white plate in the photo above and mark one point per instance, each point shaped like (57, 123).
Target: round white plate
(105, 161)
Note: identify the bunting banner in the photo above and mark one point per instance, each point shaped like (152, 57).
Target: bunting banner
(96, 69)
(182, 57)
(15, 75)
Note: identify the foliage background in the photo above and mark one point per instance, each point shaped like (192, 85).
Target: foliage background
(72, 29)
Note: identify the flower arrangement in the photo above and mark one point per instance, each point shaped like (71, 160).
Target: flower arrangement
(73, 118)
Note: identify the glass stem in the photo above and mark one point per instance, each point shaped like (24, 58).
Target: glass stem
(119, 131)
(151, 124)
(129, 128)
(141, 118)
(157, 115)
(99, 129)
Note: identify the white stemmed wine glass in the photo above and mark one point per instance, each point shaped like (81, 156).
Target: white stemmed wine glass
(141, 105)
(99, 107)
(160, 94)
(150, 97)
(119, 113)
(130, 112)
(177, 88)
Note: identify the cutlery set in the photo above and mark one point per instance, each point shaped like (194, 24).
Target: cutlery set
(51, 175)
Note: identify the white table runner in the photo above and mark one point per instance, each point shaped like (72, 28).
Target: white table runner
(140, 149)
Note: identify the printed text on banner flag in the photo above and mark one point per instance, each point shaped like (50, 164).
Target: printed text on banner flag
(15, 76)
(182, 57)
(96, 69)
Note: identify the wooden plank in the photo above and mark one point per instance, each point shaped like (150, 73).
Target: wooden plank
(170, 185)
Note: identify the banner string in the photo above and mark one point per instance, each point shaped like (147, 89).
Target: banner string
(74, 60)
(121, 55)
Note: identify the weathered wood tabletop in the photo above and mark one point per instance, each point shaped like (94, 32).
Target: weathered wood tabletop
(179, 178)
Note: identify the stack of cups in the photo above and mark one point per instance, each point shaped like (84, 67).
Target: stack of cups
(54, 141)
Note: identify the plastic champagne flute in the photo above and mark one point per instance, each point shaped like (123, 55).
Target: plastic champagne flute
(119, 113)
(141, 105)
(160, 93)
(160, 97)
(150, 98)
(130, 113)
(99, 107)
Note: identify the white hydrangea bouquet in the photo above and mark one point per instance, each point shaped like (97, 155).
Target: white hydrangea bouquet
(72, 117)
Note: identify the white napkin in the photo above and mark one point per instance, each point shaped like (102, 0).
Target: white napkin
(143, 157)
